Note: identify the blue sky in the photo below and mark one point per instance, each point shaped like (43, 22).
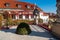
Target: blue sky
(45, 5)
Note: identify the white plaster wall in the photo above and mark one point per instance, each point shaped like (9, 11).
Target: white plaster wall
(44, 18)
(29, 17)
(17, 17)
(23, 17)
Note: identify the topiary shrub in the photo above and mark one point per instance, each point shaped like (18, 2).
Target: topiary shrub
(23, 29)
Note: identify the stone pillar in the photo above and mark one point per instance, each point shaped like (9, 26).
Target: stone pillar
(17, 16)
(29, 17)
(23, 17)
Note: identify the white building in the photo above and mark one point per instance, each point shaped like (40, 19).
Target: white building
(44, 17)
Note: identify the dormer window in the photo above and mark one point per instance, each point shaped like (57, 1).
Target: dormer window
(18, 5)
(27, 6)
(7, 4)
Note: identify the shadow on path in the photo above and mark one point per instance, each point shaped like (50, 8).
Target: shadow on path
(33, 33)
(9, 30)
(41, 34)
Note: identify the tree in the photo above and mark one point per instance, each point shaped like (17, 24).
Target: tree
(23, 29)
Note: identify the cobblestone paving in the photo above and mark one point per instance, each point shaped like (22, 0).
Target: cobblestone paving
(37, 34)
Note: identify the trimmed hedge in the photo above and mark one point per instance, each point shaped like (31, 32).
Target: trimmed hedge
(23, 29)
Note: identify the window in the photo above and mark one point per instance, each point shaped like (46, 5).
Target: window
(27, 16)
(32, 16)
(13, 16)
(18, 5)
(7, 4)
(20, 16)
(4, 16)
(27, 6)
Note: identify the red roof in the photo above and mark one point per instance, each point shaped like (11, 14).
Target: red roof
(13, 4)
(45, 14)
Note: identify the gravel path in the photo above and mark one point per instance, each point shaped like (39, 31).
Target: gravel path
(37, 34)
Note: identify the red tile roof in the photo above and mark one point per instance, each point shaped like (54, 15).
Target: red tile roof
(13, 4)
(45, 14)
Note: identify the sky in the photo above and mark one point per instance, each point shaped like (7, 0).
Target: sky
(45, 5)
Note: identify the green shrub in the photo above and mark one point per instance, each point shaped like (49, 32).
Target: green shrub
(23, 29)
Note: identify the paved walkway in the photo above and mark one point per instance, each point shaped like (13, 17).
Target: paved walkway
(37, 34)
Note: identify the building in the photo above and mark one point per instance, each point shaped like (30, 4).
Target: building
(52, 17)
(14, 10)
(45, 17)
